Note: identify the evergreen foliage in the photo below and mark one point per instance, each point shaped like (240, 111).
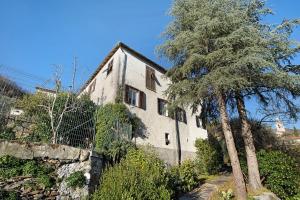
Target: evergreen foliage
(183, 178)
(111, 145)
(76, 179)
(139, 176)
(209, 156)
(280, 173)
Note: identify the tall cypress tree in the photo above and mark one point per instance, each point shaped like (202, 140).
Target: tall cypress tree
(221, 49)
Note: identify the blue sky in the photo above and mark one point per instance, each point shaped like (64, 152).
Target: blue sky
(36, 34)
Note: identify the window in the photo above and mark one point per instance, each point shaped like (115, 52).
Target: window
(150, 78)
(167, 139)
(181, 115)
(198, 122)
(92, 87)
(135, 97)
(162, 107)
(110, 67)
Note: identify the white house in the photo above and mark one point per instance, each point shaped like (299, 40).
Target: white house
(142, 84)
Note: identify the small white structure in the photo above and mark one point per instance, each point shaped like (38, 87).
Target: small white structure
(280, 130)
(141, 83)
(16, 112)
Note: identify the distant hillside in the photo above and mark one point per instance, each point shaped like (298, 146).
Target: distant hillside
(9, 88)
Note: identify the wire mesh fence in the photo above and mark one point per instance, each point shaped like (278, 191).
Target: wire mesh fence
(44, 115)
(56, 116)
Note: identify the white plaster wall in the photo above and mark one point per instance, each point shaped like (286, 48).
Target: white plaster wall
(106, 85)
(156, 125)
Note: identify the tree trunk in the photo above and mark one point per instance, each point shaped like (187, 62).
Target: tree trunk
(235, 163)
(253, 172)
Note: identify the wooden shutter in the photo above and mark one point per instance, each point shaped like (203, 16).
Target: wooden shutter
(110, 66)
(142, 100)
(150, 78)
(184, 116)
(198, 121)
(158, 106)
(126, 94)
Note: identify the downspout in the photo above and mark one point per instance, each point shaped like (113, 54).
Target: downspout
(178, 138)
(122, 84)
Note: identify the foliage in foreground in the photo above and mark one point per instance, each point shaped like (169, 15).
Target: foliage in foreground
(279, 172)
(183, 178)
(35, 108)
(76, 179)
(12, 167)
(5, 195)
(209, 156)
(114, 146)
(138, 176)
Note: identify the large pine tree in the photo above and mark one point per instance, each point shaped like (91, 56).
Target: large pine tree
(220, 49)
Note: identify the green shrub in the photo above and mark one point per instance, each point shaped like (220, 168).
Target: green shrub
(138, 176)
(76, 179)
(183, 178)
(280, 173)
(45, 181)
(8, 195)
(10, 166)
(7, 134)
(114, 146)
(209, 156)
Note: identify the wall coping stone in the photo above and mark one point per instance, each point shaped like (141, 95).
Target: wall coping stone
(26, 150)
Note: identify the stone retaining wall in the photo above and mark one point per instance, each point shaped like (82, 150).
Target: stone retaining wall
(64, 159)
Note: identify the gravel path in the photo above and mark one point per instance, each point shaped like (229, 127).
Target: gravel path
(205, 191)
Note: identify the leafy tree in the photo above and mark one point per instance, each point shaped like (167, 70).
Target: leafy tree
(222, 51)
(200, 43)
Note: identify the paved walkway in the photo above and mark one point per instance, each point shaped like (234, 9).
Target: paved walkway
(205, 191)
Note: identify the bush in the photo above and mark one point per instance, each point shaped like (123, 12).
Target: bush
(7, 134)
(209, 156)
(114, 146)
(45, 181)
(9, 195)
(280, 173)
(10, 167)
(183, 178)
(138, 176)
(76, 179)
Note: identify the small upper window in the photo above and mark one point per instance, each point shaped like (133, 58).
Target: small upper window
(167, 138)
(181, 115)
(162, 107)
(198, 122)
(92, 87)
(150, 78)
(110, 66)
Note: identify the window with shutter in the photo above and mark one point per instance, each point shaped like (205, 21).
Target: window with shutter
(150, 79)
(135, 97)
(162, 107)
(110, 67)
(181, 115)
(142, 100)
(198, 121)
(92, 87)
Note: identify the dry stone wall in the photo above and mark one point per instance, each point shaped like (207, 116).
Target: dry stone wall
(64, 159)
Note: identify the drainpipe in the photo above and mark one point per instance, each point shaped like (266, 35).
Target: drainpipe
(178, 138)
